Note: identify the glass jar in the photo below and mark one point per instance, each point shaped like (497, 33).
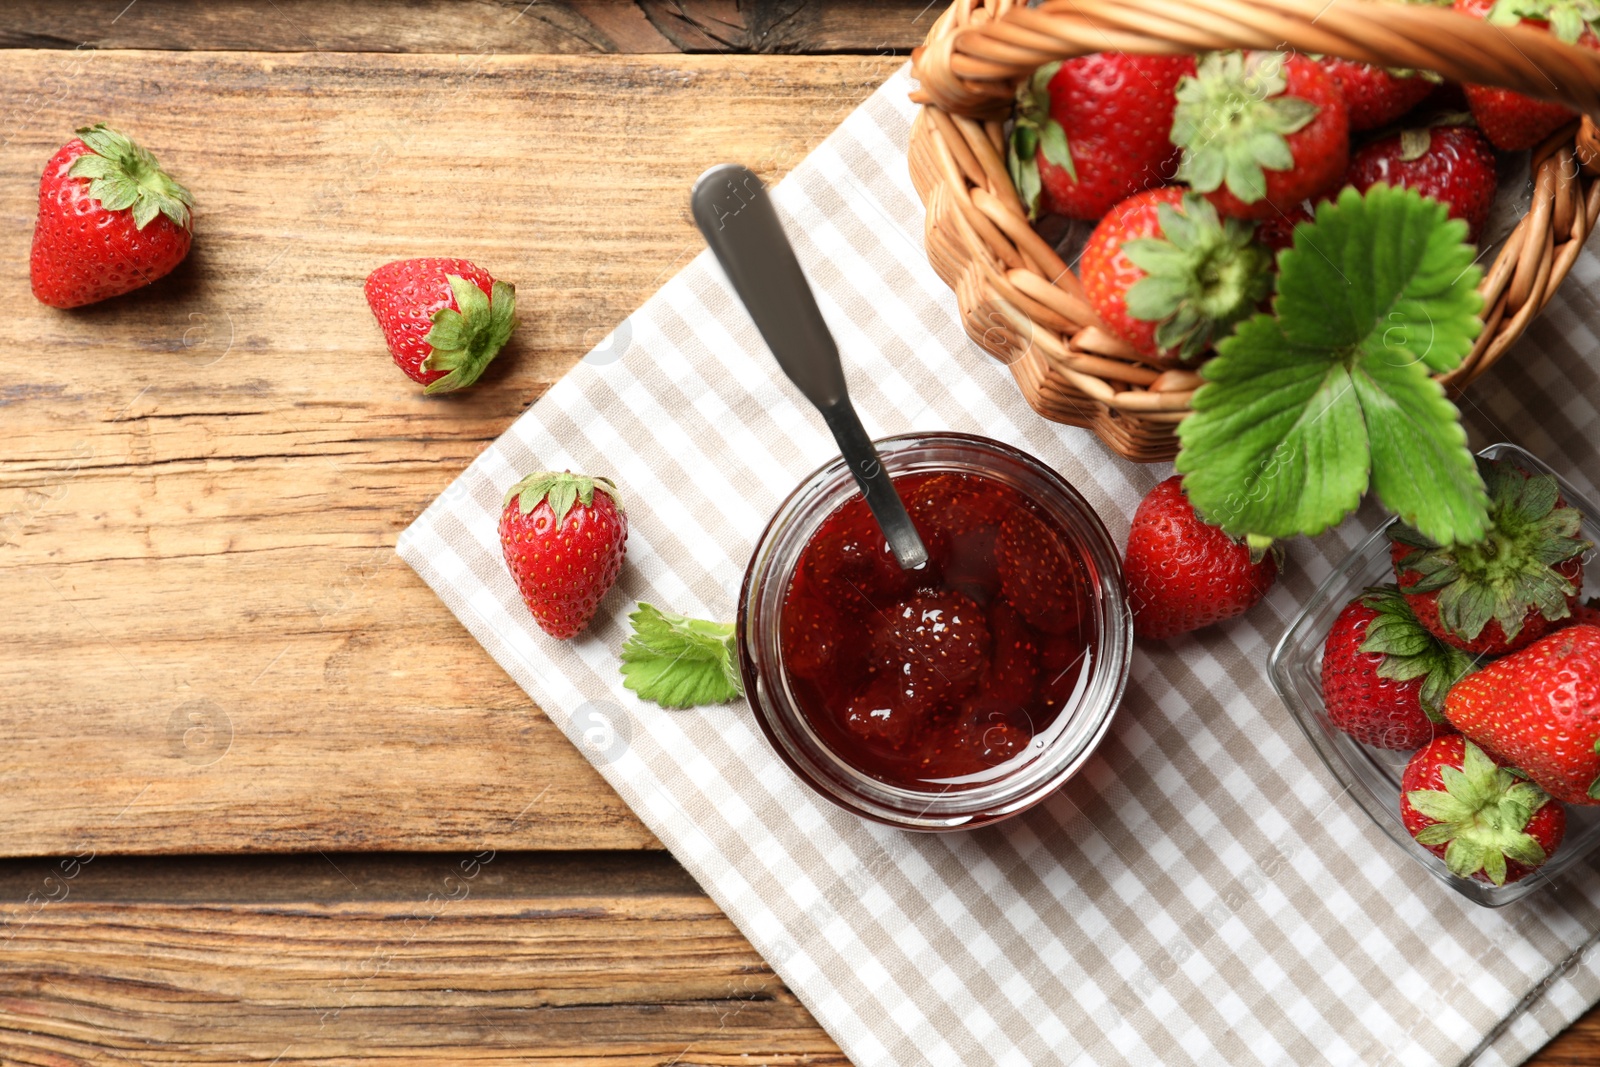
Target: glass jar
(1057, 751)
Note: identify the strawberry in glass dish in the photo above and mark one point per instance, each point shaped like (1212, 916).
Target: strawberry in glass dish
(1183, 573)
(1260, 132)
(1505, 591)
(444, 320)
(1376, 96)
(1384, 677)
(1510, 120)
(1539, 710)
(1452, 164)
(1169, 276)
(110, 221)
(1484, 821)
(1092, 130)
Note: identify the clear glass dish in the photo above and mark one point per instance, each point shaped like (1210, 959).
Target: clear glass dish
(1063, 748)
(1372, 775)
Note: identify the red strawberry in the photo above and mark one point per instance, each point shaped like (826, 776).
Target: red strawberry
(1038, 575)
(443, 319)
(1183, 573)
(1375, 96)
(812, 638)
(563, 536)
(1007, 686)
(1452, 164)
(1539, 709)
(1092, 130)
(1481, 819)
(1509, 589)
(1168, 276)
(1510, 120)
(110, 220)
(1260, 132)
(875, 716)
(1277, 232)
(933, 647)
(1384, 677)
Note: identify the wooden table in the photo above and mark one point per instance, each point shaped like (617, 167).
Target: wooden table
(265, 800)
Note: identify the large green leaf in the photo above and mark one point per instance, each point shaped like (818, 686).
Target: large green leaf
(1303, 408)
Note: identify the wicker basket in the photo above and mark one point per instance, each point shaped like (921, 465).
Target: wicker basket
(1022, 304)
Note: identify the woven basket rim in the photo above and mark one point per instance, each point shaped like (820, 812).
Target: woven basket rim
(1024, 305)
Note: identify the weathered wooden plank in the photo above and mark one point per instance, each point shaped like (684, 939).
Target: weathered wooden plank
(210, 645)
(499, 26)
(352, 959)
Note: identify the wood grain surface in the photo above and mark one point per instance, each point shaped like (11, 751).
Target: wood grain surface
(507, 26)
(210, 643)
(343, 959)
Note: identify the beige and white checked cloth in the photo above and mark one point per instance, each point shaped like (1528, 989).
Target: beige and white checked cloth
(1201, 893)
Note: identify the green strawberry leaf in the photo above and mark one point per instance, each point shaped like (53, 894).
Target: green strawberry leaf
(679, 662)
(1568, 18)
(1032, 129)
(122, 175)
(464, 342)
(1305, 408)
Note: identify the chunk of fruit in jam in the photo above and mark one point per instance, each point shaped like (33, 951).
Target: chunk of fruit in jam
(951, 670)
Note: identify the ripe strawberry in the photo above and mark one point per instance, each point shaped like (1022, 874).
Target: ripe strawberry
(1008, 684)
(1481, 819)
(1092, 130)
(1183, 573)
(1038, 575)
(1539, 709)
(934, 647)
(110, 221)
(1260, 132)
(443, 319)
(875, 716)
(563, 536)
(1509, 589)
(1277, 232)
(1168, 276)
(1375, 96)
(1452, 164)
(1384, 677)
(1510, 120)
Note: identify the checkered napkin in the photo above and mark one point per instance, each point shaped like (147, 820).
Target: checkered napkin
(1202, 892)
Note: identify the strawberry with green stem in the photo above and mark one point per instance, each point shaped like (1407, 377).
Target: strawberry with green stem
(1510, 120)
(1170, 277)
(1092, 130)
(110, 220)
(1539, 710)
(444, 320)
(1452, 164)
(1384, 676)
(1260, 132)
(1484, 821)
(1376, 96)
(563, 536)
(1512, 586)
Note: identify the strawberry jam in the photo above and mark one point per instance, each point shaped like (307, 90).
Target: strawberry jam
(944, 676)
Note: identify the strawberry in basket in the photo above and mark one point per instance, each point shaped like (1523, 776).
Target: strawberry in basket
(1168, 276)
(1454, 165)
(1092, 130)
(1260, 132)
(1513, 121)
(1376, 96)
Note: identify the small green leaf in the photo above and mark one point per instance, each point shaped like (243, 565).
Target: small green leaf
(1439, 805)
(679, 662)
